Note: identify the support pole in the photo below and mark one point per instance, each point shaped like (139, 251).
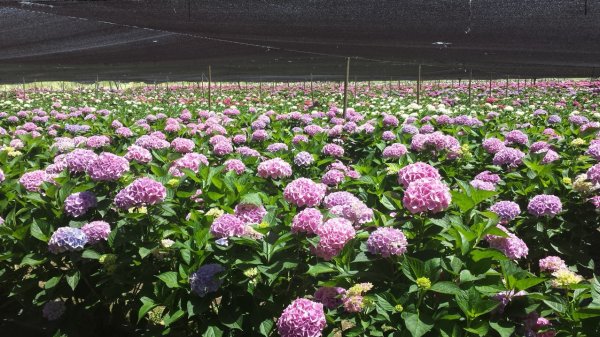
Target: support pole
(419, 86)
(346, 84)
(506, 86)
(209, 85)
(312, 98)
(470, 80)
(490, 84)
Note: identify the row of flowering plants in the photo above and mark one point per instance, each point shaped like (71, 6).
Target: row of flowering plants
(140, 212)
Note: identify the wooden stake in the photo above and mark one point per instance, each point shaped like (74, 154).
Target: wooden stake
(346, 84)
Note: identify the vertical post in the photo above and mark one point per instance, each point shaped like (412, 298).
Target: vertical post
(260, 89)
(346, 84)
(96, 84)
(202, 84)
(23, 86)
(470, 80)
(312, 98)
(506, 86)
(419, 86)
(490, 84)
(209, 85)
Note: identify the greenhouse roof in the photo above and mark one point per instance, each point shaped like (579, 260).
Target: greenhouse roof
(288, 40)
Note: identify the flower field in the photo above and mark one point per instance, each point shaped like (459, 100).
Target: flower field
(139, 212)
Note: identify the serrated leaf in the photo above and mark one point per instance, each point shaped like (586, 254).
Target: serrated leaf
(504, 329)
(169, 278)
(90, 254)
(73, 279)
(320, 268)
(266, 327)
(445, 287)
(147, 305)
(417, 325)
(251, 199)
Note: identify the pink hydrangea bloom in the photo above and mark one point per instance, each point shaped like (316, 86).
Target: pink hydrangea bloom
(427, 195)
(304, 192)
(302, 318)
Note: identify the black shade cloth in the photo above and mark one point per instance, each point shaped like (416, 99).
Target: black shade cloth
(177, 39)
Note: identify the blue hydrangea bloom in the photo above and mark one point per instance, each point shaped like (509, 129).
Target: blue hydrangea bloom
(67, 239)
(203, 281)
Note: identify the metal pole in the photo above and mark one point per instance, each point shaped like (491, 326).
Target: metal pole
(209, 85)
(490, 84)
(419, 86)
(470, 80)
(506, 86)
(346, 84)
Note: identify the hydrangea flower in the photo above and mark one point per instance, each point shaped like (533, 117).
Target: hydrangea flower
(77, 204)
(276, 168)
(302, 318)
(308, 221)
(67, 239)
(303, 159)
(333, 236)
(552, 264)
(416, 171)
(32, 181)
(53, 310)
(506, 210)
(544, 205)
(512, 246)
(227, 225)
(96, 231)
(394, 151)
(304, 192)
(331, 297)
(249, 213)
(79, 159)
(509, 157)
(333, 150)
(234, 165)
(141, 192)
(426, 195)
(386, 242)
(204, 280)
(107, 167)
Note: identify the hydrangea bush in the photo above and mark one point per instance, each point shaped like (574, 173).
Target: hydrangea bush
(139, 212)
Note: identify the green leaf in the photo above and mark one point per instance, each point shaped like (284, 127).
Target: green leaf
(169, 278)
(595, 293)
(417, 326)
(266, 327)
(251, 199)
(321, 268)
(38, 233)
(51, 283)
(213, 331)
(473, 305)
(445, 287)
(73, 279)
(504, 329)
(170, 319)
(527, 283)
(90, 254)
(413, 268)
(147, 305)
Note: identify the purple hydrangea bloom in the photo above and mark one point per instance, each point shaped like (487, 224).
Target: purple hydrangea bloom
(509, 157)
(304, 192)
(249, 213)
(386, 242)
(96, 231)
(53, 310)
(274, 168)
(141, 192)
(107, 167)
(333, 236)
(227, 225)
(513, 247)
(204, 280)
(302, 318)
(303, 159)
(544, 205)
(331, 297)
(506, 210)
(77, 204)
(427, 195)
